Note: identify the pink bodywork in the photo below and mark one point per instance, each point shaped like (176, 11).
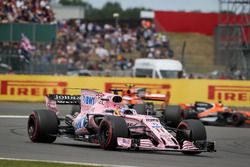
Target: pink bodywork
(93, 102)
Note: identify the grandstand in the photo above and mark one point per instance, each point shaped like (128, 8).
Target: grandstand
(102, 48)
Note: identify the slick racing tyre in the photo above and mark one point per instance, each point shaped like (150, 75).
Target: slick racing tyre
(140, 108)
(110, 128)
(173, 115)
(238, 119)
(42, 126)
(190, 130)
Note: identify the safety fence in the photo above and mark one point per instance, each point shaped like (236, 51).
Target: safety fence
(34, 88)
(35, 32)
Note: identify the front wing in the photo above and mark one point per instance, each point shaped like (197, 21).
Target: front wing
(146, 144)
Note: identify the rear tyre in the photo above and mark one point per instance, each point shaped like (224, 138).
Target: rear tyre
(42, 126)
(173, 115)
(140, 108)
(238, 119)
(110, 128)
(191, 130)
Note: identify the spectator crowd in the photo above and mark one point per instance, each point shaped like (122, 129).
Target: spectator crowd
(23, 11)
(87, 45)
(91, 46)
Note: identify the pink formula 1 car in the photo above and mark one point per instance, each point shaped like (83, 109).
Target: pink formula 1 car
(106, 121)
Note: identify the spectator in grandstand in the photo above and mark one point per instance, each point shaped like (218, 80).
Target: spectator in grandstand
(102, 53)
(19, 11)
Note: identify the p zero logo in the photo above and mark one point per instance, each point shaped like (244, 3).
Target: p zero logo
(151, 88)
(229, 93)
(32, 88)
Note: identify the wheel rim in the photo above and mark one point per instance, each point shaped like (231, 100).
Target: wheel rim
(235, 118)
(31, 131)
(105, 134)
(181, 135)
(31, 128)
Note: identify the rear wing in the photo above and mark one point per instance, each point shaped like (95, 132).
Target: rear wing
(158, 97)
(155, 97)
(64, 99)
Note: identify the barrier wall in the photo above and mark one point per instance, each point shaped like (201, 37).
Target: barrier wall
(33, 88)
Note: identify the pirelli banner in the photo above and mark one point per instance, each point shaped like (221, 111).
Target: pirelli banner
(34, 88)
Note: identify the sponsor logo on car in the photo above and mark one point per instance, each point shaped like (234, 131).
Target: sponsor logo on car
(32, 88)
(152, 120)
(66, 97)
(88, 100)
(229, 93)
(156, 125)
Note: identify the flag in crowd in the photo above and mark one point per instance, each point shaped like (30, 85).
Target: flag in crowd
(25, 44)
(26, 48)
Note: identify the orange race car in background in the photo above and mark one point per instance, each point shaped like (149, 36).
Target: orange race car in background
(142, 101)
(209, 113)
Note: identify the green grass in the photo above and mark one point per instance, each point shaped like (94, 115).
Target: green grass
(17, 163)
(199, 51)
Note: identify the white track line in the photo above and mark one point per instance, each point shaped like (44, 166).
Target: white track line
(14, 116)
(64, 162)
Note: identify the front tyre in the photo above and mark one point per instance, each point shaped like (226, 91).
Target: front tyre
(191, 130)
(110, 128)
(42, 126)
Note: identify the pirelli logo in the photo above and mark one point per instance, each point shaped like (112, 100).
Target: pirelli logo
(32, 88)
(229, 93)
(151, 88)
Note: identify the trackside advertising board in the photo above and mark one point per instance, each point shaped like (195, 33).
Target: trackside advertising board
(34, 88)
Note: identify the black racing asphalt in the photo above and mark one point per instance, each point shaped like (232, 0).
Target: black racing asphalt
(232, 144)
